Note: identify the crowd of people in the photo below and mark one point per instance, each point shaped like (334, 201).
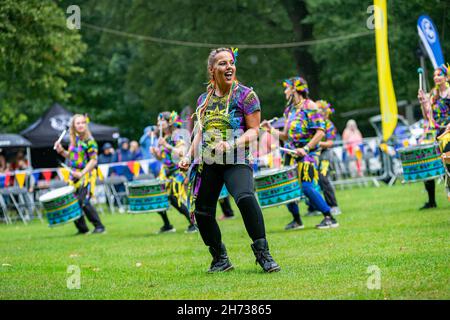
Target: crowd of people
(18, 161)
(218, 153)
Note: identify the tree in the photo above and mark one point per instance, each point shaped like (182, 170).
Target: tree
(38, 53)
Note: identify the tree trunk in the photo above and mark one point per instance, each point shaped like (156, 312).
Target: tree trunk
(306, 67)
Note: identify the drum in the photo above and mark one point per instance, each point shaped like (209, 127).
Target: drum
(61, 206)
(444, 144)
(275, 187)
(223, 193)
(147, 196)
(421, 163)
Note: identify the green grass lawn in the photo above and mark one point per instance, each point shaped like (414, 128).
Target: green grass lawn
(379, 226)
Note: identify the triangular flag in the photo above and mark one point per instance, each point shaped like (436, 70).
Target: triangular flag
(136, 167)
(65, 174)
(47, 175)
(130, 165)
(100, 174)
(20, 177)
(7, 176)
(103, 168)
(144, 166)
(118, 169)
(36, 177)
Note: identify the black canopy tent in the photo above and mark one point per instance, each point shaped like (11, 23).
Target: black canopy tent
(46, 130)
(8, 140)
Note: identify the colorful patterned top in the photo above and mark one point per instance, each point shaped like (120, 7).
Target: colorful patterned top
(441, 110)
(330, 130)
(220, 125)
(82, 152)
(302, 124)
(166, 154)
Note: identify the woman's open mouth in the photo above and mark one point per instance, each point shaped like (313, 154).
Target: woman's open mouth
(229, 75)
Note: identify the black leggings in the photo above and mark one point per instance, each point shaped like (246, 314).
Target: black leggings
(88, 209)
(238, 179)
(430, 186)
(180, 208)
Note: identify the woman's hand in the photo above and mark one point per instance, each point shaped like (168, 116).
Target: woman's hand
(184, 163)
(266, 125)
(59, 148)
(222, 146)
(77, 175)
(300, 152)
(162, 142)
(423, 98)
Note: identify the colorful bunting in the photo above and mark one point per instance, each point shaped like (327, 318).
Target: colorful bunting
(130, 165)
(103, 171)
(47, 175)
(35, 176)
(136, 168)
(20, 177)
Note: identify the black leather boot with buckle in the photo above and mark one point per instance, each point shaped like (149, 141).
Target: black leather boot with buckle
(220, 262)
(261, 250)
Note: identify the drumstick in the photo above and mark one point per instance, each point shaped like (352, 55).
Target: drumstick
(288, 150)
(60, 138)
(64, 165)
(271, 120)
(420, 72)
(152, 138)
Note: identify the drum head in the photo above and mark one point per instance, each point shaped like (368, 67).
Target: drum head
(140, 183)
(418, 147)
(51, 195)
(269, 172)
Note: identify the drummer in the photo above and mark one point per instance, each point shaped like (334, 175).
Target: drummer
(436, 112)
(303, 130)
(330, 134)
(170, 147)
(82, 159)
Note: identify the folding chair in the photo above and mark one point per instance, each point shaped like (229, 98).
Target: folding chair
(4, 207)
(112, 183)
(11, 192)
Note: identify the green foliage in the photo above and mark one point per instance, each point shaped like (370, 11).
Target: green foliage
(127, 81)
(348, 69)
(38, 53)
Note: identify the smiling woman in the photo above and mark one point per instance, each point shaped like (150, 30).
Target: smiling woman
(82, 160)
(228, 118)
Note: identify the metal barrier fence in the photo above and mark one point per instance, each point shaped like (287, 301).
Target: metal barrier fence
(361, 165)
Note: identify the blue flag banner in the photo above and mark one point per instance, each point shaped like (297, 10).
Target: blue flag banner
(430, 39)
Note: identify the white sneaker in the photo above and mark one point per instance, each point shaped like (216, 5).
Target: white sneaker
(335, 211)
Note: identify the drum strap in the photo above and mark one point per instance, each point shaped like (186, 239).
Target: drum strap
(304, 176)
(325, 164)
(443, 141)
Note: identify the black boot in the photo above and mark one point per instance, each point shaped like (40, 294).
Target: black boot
(261, 250)
(220, 262)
